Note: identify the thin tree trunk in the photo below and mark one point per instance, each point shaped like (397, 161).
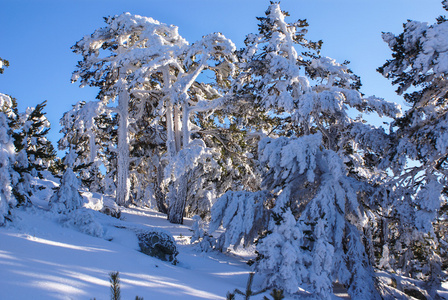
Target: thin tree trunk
(185, 125)
(123, 183)
(170, 140)
(177, 128)
(160, 197)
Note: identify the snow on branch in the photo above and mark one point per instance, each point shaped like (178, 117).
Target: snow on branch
(243, 216)
(187, 159)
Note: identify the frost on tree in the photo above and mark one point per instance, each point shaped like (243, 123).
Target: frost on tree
(67, 197)
(35, 154)
(142, 61)
(82, 133)
(318, 166)
(309, 93)
(244, 216)
(7, 153)
(419, 200)
(181, 97)
(312, 187)
(111, 56)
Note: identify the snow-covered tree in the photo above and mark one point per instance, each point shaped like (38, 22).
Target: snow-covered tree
(67, 197)
(312, 185)
(107, 124)
(147, 149)
(7, 157)
(320, 170)
(308, 92)
(81, 132)
(419, 202)
(144, 59)
(35, 154)
(111, 55)
(183, 96)
(244, 216)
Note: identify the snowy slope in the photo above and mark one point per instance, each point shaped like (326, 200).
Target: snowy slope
(40, 259)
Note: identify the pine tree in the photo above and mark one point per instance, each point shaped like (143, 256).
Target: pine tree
(81, 132)
(145, 62)
(184, 98)
(319, 163)
(7, 156)
(35, 153)
(107, 124)
(418, 193)
(115, 290)
(147, 149)
(126, 43)
(67, 197)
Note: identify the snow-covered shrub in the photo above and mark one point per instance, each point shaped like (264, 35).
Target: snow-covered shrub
(204, 242)
(67, 197)
(110, 208)
(84, 221)
(158, 244)
(116, 213)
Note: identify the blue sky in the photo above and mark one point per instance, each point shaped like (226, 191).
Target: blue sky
(36, 36)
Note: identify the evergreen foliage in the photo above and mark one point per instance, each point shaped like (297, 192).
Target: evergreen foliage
(35, 153)
(3, 64)
(417, 194)
(115, 290)
(7, 158)
(67, 197)
(82, 134)
(313, 165)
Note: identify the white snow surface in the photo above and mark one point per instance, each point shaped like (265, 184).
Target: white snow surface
(44, 258)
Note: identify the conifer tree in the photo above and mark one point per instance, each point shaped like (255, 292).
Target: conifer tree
(81, 132)
(35, 153)
(67, 197)
(107, 124)
(418, 192)
(145, 59)
(316, 162)
(126, 43)
(147, 149)
(7, 157)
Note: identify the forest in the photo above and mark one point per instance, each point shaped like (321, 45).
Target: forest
(264, 147)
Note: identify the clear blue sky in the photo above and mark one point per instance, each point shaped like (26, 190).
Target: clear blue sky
(36, 36)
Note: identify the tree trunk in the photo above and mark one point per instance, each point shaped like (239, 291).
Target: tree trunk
(170, 139)
(177, 128)
(178, 198)
(185, 124)
(160, 197)
(123, 183)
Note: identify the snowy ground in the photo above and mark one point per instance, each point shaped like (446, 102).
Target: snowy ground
(41, 259)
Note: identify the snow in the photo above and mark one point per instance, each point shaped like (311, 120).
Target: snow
(39, 259)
